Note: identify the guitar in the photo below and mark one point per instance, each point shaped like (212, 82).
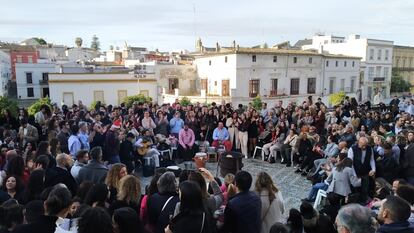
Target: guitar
(145, 148)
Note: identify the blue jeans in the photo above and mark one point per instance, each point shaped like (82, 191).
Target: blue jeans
(114, 159)
(315, 188)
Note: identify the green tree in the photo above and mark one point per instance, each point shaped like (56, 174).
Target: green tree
(41, 41)
(185, 101)
(257, 103)
(35, 107)
(129, 100)
(8, 104)
(95, 44)
(398, 84)
(336, 98)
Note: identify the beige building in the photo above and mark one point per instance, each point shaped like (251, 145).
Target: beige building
(404, 62)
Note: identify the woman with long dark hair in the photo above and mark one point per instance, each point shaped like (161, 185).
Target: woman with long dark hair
(13, 186)
(192, 217)
(44, 149)
(34, 187)
(98, 195)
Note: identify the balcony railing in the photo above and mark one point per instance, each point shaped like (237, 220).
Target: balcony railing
(43, 82)
(378, 79)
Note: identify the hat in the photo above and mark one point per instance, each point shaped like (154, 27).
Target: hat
(307, 211)
(116, 124)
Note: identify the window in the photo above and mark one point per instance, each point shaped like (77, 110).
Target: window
(310, 60)
(209, 63)
(274, 59)
(386, 71)
(30, 92)
(387, 53)
(294, 86)
(274, 83)
(378, 71)
(353, 63)
(254, 86)
(45, 77)
(311, 85)
(342, 85)
(19, 59)
(352, 89)
(379, 55)
(331, 85)
(371, 54)
(254, 58)
(327, 63)
(370, 73)
(295, 60)
(336, 63)
(344, 63)
(29, 59)
(225, 59)
(29, 79)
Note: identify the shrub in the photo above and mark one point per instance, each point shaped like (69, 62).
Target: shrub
(185, 101)
(35, 107)
(336, 98)
(9, 104)
(93, 105)
(257, 103)
(398, 84)
(129, 100)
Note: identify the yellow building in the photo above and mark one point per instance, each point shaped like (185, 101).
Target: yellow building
(403, 62)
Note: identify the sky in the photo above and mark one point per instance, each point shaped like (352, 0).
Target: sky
(171, 25)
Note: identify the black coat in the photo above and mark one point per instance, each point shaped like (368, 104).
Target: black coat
(45, 224)
(58, 175)
(388, 168)
(191, 223)
(408, 162)
(400, 227)
(243, 213)
(157, 218)
(319, 223)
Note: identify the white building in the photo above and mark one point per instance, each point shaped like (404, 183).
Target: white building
(81, 54)
(244, 73)
(32, 79)
(376, 63)
(109, 88)
(5, 72)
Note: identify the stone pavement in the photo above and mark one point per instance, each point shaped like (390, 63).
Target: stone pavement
(293, 186)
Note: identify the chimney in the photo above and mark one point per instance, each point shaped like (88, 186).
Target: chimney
(61, 69)
(320, 50)
(217, 47)
(234, 44)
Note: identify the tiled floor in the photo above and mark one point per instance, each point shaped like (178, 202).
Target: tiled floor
(293, 186)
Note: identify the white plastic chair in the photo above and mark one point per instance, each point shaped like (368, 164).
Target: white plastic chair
(255, 151)
(321, 194)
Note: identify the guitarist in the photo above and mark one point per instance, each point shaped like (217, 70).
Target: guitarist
(144, 146)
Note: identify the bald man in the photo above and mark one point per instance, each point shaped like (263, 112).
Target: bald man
(61, 173)
(362, 156)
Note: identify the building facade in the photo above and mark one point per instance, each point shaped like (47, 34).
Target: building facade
(32, 79)
(245, 73)
(376, 60)
(5, 72)
(109, 88)
(403, 62)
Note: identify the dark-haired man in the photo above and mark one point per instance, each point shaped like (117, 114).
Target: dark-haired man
(393, 215)
(243, 211)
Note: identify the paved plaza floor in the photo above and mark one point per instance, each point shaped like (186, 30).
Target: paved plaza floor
(293, 186)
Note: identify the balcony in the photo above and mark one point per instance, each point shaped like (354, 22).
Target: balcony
(278, 92)
(43, 82)
(378, 79)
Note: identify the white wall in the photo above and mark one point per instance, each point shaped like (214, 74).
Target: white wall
(83, 87)
(5, 72)
(37, 70)
(81, 54)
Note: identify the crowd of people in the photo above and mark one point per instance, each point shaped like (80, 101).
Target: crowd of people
(74, 169)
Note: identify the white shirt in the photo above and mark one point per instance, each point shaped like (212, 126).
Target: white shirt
(363, 154)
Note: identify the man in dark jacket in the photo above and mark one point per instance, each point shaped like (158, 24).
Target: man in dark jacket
(408, 161)
(243, 211)
(112, 142)
(387, 165)
(126, 151)
(95, 171)
(362, 156)
(394, 213)
(61, 173)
